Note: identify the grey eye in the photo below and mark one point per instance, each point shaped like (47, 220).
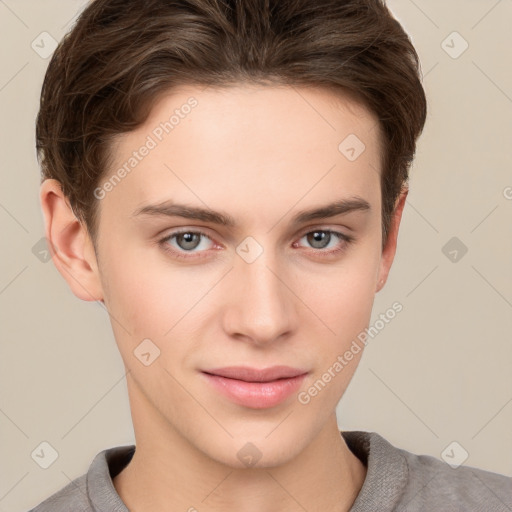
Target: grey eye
(319, 239)
(188, 240)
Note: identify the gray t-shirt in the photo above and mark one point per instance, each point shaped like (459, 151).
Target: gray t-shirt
(396, 480)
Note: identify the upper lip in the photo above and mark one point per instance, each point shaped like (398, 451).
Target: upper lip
(248, 374)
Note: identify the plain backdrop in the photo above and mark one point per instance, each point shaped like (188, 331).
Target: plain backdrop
(439, 373)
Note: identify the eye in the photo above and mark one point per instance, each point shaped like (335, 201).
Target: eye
(327, 240)
(185, 241)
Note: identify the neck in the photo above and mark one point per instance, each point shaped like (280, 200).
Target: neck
(169, 474)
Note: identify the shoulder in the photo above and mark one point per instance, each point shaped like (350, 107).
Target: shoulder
(400, 481)
(433, 482)
(94, 490)
(71, 497)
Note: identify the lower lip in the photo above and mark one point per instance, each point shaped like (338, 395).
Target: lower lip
(257, 395)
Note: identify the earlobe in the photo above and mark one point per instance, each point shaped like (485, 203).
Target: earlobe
(389, 250)
(70, 244)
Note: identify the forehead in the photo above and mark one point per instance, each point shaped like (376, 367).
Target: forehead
(240, 143)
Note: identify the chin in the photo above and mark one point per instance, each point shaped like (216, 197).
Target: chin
(257, 451)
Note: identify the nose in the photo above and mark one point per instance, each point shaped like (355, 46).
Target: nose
(261, 305)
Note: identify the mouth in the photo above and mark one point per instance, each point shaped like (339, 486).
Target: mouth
(248, 374)
(255, 388)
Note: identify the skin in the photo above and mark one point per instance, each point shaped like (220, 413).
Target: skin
(260, 154)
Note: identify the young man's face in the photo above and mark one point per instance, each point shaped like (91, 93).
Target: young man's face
(265, 291)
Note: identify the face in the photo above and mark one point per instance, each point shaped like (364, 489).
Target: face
(252, 280)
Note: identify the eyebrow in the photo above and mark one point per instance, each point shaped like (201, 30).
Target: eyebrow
(171, 209)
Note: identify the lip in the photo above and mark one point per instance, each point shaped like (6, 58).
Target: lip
(255, 388)
(248, 374)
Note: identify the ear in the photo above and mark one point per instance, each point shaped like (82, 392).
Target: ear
(70, 244)
(389, 250)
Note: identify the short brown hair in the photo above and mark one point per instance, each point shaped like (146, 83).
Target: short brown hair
(121, 55)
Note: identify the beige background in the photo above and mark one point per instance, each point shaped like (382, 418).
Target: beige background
(440, 372)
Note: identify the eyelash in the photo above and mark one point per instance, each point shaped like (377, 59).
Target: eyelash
(346, 239)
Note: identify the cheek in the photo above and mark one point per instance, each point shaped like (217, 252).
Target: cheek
(147, 296)
(343, 299)
(345, 307)
(150, 304)
(342, 296)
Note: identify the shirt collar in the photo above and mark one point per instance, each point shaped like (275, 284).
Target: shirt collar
(387, 471)
(386, 477)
